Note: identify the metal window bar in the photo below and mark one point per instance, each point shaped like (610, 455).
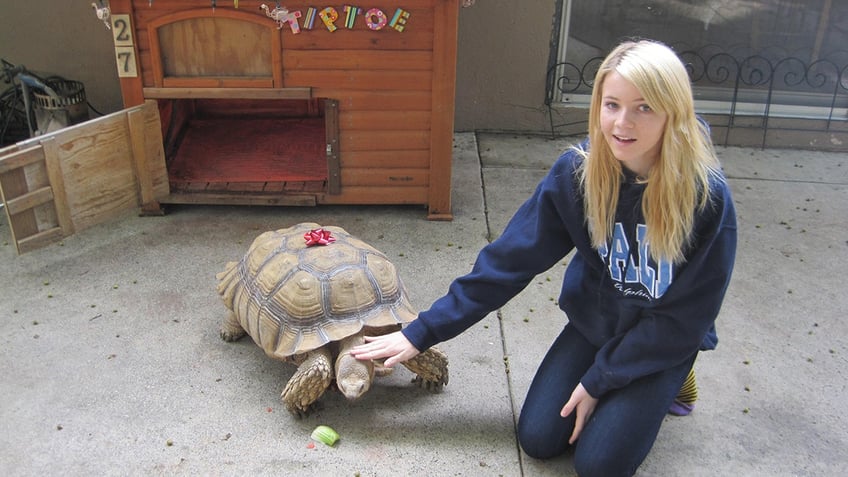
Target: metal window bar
(753, 87)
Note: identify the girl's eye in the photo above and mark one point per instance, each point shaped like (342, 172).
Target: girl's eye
(645, 108)
(610, 105)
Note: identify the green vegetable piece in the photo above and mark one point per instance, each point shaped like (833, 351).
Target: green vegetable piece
(326, 435)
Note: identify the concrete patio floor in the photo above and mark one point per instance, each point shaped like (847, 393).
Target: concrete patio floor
(112, 364)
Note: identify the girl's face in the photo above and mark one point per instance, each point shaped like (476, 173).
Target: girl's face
(631, 128)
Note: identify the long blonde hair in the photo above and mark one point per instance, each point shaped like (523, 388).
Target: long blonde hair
(678, 184)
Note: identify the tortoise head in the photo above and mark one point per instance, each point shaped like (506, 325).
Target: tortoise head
(353, 377)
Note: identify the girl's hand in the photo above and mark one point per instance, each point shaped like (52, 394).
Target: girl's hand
(393, 346)
(584, 405)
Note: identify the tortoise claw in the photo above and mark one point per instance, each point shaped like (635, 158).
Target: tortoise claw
(230, 336)
(435, 386)
(231, 329)
(305, 411)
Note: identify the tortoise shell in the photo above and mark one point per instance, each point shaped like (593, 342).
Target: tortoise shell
(292, 298)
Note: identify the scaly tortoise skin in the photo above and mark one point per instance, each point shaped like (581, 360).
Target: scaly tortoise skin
(310, 304)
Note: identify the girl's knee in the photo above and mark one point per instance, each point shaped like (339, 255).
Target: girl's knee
(535, 447)
(539, 443)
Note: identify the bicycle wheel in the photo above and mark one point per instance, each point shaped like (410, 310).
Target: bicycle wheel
(13, 120)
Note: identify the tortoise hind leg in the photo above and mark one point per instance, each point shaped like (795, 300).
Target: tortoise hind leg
(231, 329)
(431, 368)
(309, 382)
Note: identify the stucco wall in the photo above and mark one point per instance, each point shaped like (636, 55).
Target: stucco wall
(502, 57)
(62, 38)
(501, 65)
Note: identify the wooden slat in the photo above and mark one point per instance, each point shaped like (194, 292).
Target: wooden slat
(57, 184)
(444, 91)
(277, 58)
(145, 61)
(155, 148)
(385, 120)
(29, 200)
(196, 186)
(385, 159)
(384, 140)
(13, 183)
(247, 188)
(275, 187)
(377, 195)
(255, 108)
(162, 12)
(350, 100)
(216, 82)
(394, 177)
(252, 186)
(40, 240)
(228, 93)
(22, 158)
(236, 199)
(360, 80)
(138, 146)
(343, 59)
(418, 39)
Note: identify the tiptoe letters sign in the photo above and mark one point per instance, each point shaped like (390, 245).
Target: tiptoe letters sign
(348, 17)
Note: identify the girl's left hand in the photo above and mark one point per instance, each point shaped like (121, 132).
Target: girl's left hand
(584, 405)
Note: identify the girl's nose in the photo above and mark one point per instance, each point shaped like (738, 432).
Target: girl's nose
(625, 118)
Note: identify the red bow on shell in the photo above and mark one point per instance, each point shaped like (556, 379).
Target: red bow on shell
(318, 237)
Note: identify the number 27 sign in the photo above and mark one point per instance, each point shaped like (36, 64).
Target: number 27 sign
(124, 49)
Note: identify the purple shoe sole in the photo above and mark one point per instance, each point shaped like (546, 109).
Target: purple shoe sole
(680, 408)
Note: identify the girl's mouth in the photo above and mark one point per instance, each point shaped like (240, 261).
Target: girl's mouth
(623, 138)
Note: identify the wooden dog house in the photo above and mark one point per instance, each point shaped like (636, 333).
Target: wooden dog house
(226, 105)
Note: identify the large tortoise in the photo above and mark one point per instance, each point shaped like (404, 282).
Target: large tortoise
(306, 295)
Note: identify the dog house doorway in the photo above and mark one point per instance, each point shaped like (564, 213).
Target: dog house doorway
(250, 148)
(231, 132)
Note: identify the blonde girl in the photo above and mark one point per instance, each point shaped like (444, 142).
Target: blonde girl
(645, 206)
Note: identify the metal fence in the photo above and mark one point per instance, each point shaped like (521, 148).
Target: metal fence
(763, 93)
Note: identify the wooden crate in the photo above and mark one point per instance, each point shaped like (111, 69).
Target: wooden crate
(76, 177)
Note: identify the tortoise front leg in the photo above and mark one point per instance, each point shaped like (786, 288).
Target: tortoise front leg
(309, 382)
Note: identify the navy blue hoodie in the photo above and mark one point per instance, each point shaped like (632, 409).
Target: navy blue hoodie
(643, 316)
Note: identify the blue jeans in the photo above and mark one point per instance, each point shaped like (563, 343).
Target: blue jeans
(624, 425)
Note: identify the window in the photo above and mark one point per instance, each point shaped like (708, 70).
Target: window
(787, 57)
